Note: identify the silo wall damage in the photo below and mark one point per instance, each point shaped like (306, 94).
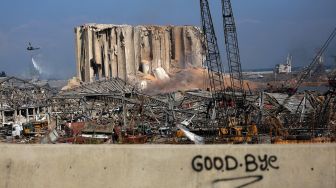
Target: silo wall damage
(124, 51)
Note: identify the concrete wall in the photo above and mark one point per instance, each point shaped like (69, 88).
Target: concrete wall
(106, 50)
(168, 166)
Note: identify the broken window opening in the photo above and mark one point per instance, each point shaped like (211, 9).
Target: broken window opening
(95, 68)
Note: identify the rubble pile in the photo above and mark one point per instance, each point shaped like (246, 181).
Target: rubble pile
(113, 111)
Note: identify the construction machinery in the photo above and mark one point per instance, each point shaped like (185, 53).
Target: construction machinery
(323, 109)
(312, 66)
(232, 99)
(213, 61)
(233, 57)
(306, 72)
(213, 64)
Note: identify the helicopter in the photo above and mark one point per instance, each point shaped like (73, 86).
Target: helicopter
(31, 48)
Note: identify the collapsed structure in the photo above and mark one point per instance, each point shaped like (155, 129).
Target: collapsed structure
(21, 101)
(107, 107)
(112, 111)
(123, 51)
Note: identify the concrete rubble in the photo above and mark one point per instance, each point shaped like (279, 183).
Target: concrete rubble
(113, 111)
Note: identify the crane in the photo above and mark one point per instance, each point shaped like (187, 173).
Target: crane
(232, 53)
(234, 104)
(305, 73)
(214, 66)
(321, 109)
(213, 60)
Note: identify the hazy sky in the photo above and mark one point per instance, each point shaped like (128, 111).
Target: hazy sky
(267, 29)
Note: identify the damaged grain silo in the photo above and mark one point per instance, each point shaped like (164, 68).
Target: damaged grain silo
(123, 51)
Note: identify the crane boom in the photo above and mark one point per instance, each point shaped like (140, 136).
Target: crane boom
(232, 53)
(304, 74)
(213, 60)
